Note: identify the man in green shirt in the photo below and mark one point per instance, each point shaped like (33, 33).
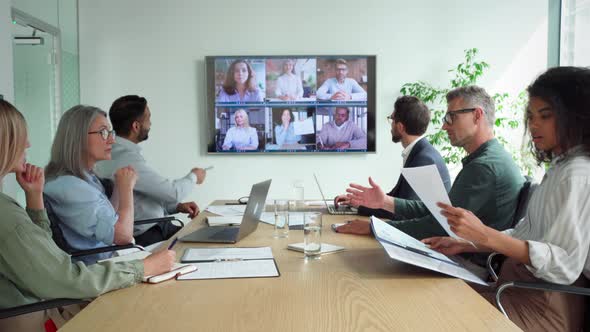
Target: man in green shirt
(488, 184)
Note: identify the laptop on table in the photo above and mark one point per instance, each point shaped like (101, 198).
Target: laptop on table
(229, 234)
(341, 209)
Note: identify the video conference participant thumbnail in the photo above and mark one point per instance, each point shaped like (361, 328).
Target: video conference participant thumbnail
(240, 129)
(292, 129)
(291, 79)
(238, 82)
(339, 86)
(344, 131)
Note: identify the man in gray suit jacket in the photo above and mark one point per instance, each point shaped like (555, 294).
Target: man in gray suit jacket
(409, 121)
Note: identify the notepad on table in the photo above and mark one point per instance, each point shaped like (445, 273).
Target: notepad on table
(177, 269)
(223, 263)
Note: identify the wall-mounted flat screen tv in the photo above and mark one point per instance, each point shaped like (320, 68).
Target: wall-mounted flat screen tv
(291, 104)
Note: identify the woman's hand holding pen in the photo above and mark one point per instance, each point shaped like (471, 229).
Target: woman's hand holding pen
(159, 262)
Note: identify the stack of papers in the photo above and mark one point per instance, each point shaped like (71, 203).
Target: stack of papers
(227, 210)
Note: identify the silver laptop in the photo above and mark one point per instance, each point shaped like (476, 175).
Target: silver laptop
(227, 234)
(341, 209)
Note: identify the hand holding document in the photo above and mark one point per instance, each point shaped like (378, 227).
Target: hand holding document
(428, 185)
(404, 248)
(303, 127)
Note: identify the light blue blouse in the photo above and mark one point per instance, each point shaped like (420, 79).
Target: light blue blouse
(286, 136)
(87, 216)
(241, 138)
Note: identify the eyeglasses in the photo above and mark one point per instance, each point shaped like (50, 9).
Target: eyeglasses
(104, 133)
(390, 119)
(450, 116)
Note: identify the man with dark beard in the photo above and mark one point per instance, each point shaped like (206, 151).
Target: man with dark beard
(409, 121)
(154, 195)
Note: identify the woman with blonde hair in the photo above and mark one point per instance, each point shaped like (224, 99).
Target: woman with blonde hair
(32, 267)
(289, 86)
(242, 136)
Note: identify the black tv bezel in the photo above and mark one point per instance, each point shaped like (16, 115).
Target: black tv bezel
(371, 104)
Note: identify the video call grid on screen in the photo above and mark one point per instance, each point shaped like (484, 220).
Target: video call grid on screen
(291, 104)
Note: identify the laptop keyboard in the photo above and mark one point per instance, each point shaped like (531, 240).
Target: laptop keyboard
(341, 211)
(225, 234)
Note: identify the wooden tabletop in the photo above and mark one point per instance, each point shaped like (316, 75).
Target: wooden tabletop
(360, 289)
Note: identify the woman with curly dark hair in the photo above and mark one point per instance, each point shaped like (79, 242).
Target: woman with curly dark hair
(552, 242)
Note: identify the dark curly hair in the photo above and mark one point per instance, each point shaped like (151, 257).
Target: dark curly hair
(567, 91)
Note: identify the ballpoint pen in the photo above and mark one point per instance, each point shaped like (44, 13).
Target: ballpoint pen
(173, 243)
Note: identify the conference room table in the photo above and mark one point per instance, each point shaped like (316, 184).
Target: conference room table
(359, 289)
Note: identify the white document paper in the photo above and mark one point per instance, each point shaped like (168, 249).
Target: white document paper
(221, 254)
(227, 210)
(233, 269)
(224, 221)
(391, 234)
(428, 185)
(385, 233)
(303, 127)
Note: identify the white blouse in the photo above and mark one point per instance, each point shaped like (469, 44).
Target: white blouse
(557, 221)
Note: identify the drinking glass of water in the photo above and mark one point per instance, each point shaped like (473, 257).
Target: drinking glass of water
(281, 218)
(299, 193)
(312, 235)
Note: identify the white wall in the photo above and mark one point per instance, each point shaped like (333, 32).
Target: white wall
(6, 79)
(6, 75)
(156, 49)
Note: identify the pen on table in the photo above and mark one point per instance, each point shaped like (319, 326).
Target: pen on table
(208, 168)
(173, 243)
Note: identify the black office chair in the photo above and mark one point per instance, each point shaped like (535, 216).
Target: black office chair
(61, 242)
(523, 200)
(38, 306)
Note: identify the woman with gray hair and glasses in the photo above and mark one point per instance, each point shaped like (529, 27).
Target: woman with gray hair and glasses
(88, 218)
(32, 267)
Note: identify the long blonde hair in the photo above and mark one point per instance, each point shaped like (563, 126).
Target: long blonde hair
(13, 136)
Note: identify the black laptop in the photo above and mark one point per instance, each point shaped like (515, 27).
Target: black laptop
(233, 234)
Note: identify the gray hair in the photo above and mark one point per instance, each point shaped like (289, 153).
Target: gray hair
(70, 145)
(475, 96)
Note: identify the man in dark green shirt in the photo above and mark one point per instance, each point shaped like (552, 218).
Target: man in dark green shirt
(488, 185)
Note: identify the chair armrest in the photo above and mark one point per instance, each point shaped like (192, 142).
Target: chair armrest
(542, 286)
(95, 251)
(157, 220)
(492, 259)
(38, 306)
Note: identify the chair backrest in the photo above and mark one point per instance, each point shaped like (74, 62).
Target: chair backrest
(523, 200)
(54, 221)
(109, 186)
